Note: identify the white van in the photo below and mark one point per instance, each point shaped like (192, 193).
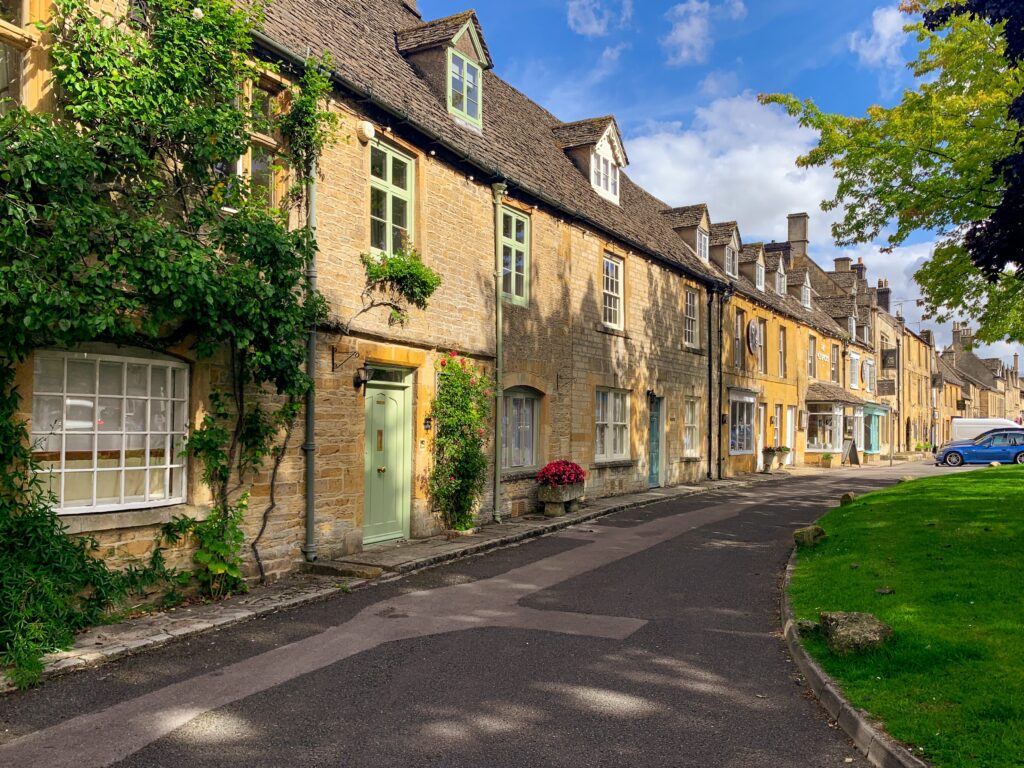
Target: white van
(968, 429)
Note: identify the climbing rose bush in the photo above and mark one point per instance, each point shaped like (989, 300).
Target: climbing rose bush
(460, 413)
(561, 472)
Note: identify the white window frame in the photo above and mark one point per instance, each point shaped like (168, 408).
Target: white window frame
(604, 175)
(851, 326)
(691, 319)
(741, 424)
(805, 296)
(834, 365)
(869, 375)
(782, 351)
(832, 416)
(174, 404)
(854, 370)
(691, 428)
(519, 449)
(759, 277)
(812, 357)
(611, 421)
(612, 291)
(762, 345)
(780, 283)
(731, 261)
(703, 244)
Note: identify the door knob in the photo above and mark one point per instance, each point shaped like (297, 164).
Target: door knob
(382, 469)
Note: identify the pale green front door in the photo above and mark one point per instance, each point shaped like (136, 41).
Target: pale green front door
(388, 449)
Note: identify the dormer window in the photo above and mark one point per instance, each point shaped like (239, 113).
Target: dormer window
(805, 296)
(732, 261)
(851, 325)
(780, 283)
(605, 174)
(759, 277)
(465, 85)
(595, 148)
(702, 244)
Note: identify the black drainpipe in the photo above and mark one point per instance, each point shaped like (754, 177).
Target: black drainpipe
(721, 387)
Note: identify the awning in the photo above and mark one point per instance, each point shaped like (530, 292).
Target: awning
(823, 392)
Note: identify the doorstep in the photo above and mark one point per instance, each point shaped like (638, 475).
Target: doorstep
(325, 579)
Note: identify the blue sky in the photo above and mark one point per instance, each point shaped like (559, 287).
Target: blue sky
(682, 79)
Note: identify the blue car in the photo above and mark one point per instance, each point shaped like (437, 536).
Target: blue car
(1004, 445)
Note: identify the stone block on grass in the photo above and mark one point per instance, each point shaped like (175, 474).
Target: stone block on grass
(849, 632)
(847, 498)
(809, 536)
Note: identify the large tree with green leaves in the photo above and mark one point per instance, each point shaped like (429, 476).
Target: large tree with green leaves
(935, 161)
(121, 221)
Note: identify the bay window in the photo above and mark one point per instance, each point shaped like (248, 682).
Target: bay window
(108, 431)
(824, 427)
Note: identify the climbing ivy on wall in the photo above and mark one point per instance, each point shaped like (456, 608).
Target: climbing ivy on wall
(120, 221)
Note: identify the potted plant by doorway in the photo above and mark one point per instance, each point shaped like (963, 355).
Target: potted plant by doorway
(768, 453)
(826, 460)
(561, 487)
(782, 452)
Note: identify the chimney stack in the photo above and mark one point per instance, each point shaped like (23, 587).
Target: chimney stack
(843, 264)
(963, 336)
(884, 294)
(860, 268)
(797, 233)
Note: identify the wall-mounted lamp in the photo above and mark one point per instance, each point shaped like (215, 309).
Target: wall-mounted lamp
(428, 424)
(651, 394)
(362, 376)
(365, 131)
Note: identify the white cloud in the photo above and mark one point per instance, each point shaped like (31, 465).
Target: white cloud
(592, 18)
(882, 47)
(719, 83)
(738, 157)
(691, 37)
(687, 42)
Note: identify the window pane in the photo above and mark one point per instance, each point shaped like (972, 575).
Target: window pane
(47, 414)
(157, 454)
(520, 231)
(81, 414)
(108, 450)
(506, 226)
(520, 273)
(399, 173)
(135, 451)
(159, 418)
(506, 269)
(180, 378)
(399, 213)
(177, 486)
(138, 378)
(378, 163)
(48, 374)
(108, 487)
(135, 415)
(109, 417)
(78, 451)
(10, 77)
(157, 484)
(111, 378)
(262, 174)
(78, 489)
(134, 484)
(178, 417)
(81, 376)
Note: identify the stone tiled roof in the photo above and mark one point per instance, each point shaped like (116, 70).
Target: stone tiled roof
(721, 233)
(686, 216)
(847, 280)
(583, 132)
(824, 392)
(517, 140)
(969, 366)
(948, 373)
(838, 306)
(771, 261)
(432, 33)
(774, 247)
(787, 305)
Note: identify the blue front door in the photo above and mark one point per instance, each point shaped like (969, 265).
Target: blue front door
(654, 462)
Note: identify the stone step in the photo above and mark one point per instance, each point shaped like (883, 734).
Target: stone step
(343, 568)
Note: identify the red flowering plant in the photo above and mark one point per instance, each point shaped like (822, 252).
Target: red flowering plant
(561, 472)
(460, 413)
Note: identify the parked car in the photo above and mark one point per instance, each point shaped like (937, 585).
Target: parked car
(970, 429)
(1003, 445)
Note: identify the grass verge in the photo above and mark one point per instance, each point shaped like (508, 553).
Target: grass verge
(951, 681)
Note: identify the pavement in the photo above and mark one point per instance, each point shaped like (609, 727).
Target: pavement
(648, 636)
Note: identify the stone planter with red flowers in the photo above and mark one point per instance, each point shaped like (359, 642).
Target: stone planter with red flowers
(561, 487)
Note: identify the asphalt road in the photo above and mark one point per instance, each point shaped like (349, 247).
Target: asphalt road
(645, 638)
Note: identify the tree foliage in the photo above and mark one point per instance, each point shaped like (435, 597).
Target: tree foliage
(934, 161)
(121, 220)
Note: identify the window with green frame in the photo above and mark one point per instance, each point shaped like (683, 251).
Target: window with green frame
(465, 88)
(391, 185)
(515, 255)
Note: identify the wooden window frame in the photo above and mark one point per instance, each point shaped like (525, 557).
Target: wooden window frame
(391, 191)
(617, 292)
(463, 113)
(512, 246)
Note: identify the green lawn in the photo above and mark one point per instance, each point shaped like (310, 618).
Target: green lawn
(952, 548)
